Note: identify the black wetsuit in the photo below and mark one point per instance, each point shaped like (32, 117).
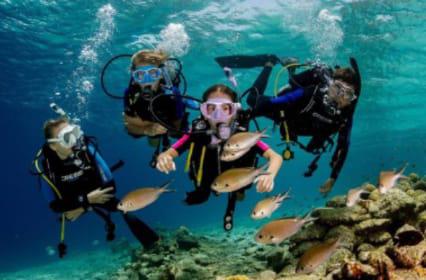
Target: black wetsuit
(74, 178)
(212, 166)
(169, 109)
(302, 106)
(136, 103)
(305, 113)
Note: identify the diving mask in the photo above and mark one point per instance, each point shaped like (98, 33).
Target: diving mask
(68, 136)
(219, 110)
(340, 89)
(147, 75)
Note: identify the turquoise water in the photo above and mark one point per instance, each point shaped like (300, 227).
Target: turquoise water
(53, 51)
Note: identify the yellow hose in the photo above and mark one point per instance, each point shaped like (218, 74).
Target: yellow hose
(200, 168)
(47, 179)
(63, 228)
(188, 159)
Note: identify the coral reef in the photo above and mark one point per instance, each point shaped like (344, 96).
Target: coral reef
(381, 238)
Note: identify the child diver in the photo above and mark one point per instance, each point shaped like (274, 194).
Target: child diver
(153, 78)
(221, 118)
(76, 180)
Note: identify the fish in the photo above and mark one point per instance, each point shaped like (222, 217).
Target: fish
(243, 140)
(279, 230)
(388, 179)
(354, 195)
(231, 156)
(267, 206)
(142, 197)
(230, 76)
(234, 179)
(50, 251)
(316, 256)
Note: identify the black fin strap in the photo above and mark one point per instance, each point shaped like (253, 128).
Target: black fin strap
(109, 225)
(312, 167)
(116, 166)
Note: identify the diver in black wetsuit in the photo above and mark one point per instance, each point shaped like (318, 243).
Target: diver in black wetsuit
(152, 78)
(319, 102)
(76, 180)
(220, 118)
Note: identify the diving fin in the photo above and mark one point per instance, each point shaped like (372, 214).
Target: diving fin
(247, 61)
(354, 66)
(146, 236)
(197, 197)
(62, 249)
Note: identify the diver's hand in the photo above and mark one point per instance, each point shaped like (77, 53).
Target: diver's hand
(138, 126)
(265, 183)
(131, 120)
(155, 129)
(327, 186)
(134, 125)
(165, 162)
(72, 215)
(99, 196)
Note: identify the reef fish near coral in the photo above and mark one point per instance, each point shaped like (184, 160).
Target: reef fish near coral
(317, 255)
(267, 206)
(277, 231)
(388, 179)
(354, 195)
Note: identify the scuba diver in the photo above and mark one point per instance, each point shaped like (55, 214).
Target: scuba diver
(319, 103)
(153, 76)
(76, 179)
(221, 117)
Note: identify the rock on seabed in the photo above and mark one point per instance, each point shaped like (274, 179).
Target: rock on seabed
(382, 238)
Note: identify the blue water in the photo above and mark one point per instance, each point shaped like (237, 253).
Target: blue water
(53, 51)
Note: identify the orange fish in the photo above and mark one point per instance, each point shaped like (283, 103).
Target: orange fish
(141, 198)
(234, 179)
(231, 155)
(267, 206)
(354, 195)
(316, 256)
(388, 179)
(243, 141)
(277, 231)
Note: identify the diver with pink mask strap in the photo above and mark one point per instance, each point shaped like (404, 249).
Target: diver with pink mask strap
(221, 117)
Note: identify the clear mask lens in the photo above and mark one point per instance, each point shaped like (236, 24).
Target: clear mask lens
(345, 91)
(147, 74)
(219, 109)
(69, 136)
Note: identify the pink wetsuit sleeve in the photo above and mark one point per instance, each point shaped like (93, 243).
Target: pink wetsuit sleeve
(179, 143)
(262, 146)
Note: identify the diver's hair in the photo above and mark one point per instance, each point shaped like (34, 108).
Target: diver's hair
(50, 125)
(154, 57)
(223, 89)
(346, 75)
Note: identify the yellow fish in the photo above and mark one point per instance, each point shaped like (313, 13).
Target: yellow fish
(317, 255)
(267, 206)
(277, 231)
(141, 198)
(388, 179)
(234, 179)
(243, 141)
